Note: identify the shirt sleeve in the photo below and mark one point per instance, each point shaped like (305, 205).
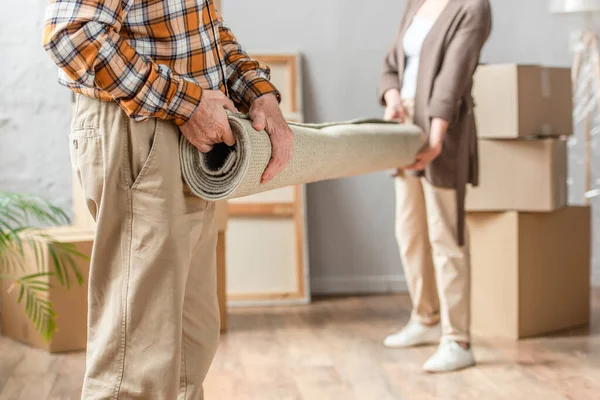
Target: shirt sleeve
(82, 38)
(460, 61)
(390, 78)
(247, 79)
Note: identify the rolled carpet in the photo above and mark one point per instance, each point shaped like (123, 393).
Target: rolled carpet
(321, 151)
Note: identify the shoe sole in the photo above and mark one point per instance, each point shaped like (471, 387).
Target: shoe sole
(451, 370)
(420, 344)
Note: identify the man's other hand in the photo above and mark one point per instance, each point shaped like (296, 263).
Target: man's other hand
(266, 115)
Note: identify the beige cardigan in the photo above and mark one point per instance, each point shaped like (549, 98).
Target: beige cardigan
(449, 57)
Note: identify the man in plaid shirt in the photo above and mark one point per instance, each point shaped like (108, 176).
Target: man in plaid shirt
(146, 72)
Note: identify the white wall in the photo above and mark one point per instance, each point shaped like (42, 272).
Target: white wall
(343, 41)
(34, 109)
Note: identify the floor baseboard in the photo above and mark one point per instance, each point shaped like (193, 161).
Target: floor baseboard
(358, 284)
(596, 280)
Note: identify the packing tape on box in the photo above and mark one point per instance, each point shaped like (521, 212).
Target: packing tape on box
(546, 94)
(546, 83)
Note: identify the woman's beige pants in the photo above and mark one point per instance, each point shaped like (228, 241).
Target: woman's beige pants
(153, 322)
(436, 268)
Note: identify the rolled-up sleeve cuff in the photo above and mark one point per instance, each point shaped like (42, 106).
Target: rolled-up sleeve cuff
(185, 101)
(258, 87)
(443, 109)
(387, 82)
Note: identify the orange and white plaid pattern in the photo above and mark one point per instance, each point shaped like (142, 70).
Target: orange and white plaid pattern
(152, 57)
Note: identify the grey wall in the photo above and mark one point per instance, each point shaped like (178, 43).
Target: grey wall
(343, 42)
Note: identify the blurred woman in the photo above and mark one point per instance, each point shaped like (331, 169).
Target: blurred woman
(427, 80)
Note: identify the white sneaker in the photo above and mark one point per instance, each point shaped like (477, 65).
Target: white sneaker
(414, 334)
(450, 356)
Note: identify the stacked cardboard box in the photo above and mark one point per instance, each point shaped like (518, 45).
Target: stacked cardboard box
(530, 251)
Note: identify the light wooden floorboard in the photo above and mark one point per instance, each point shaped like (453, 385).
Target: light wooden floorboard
(331, 350)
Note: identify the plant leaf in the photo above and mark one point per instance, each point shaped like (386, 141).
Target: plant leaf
(21, 243)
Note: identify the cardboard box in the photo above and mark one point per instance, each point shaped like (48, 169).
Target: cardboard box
(514, 101)
(558, 94)
(69, 305)
(530, 272)
(521, 175)
(508, 100)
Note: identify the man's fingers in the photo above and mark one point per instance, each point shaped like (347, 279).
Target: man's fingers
(259, 121)
(228, 137)
(283, 151)
(204, 148)
(266, 115)
(275, 166)
(228, 105)
(271, 171)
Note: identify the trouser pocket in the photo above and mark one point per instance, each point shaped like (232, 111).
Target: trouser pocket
(87, 162)
(142, 138)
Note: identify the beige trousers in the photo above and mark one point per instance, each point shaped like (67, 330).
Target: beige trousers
(153, 311)
(436, 268)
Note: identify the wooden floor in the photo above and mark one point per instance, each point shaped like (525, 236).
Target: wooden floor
(332, 350)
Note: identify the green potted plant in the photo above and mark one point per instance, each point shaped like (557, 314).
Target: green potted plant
(20, 242)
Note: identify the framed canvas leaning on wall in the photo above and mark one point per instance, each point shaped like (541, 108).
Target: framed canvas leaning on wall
(267, 252)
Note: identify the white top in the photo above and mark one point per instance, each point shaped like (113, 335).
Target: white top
(413, 42)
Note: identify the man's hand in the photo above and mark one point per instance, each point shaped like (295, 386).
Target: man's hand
(393, 106)
(266, 115)
(209, 125)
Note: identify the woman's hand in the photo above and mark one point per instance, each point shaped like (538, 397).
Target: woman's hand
(433, 148)
(428, 153)
(393, 106)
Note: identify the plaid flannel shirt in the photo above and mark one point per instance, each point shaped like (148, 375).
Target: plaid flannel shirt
(152, 57)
